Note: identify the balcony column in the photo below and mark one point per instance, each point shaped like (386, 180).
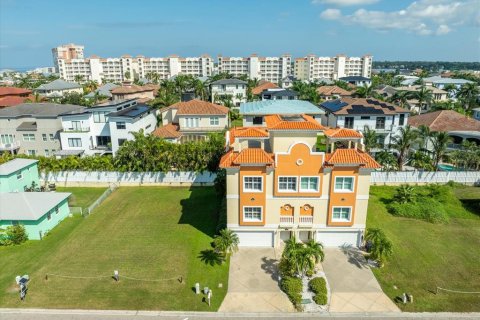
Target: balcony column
(332, 146)
(349, 144)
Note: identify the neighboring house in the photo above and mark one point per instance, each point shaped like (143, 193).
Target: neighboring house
(458, 126)
(438, 95)
(288, 81)
(263, 85)
(58, 88)
(33, 128)
(278, 186)
(12, 96)
(254, 112)
(441, 82)
(192, 120)
(476, 114)
(235, 88)
(332, 92)
(18, 174)
(102, 129)
(279, 94)
(358, 113)
(386, 91)
(142, 93)
(357, 80)
(39, 212)
(408, 80)
(103, 91)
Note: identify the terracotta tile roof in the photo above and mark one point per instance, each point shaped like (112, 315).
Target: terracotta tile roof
(333, 90)
(133, 89)
(250, 156)
(348, 105)
(169, 131)
(342, 133)
(11, 101)
(445, 120)
(199, 107)
(263, 86)
(349, 157)
(302, 122)
(13, 91)
(248, 132)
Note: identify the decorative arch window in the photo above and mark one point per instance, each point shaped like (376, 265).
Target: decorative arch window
(306, 210)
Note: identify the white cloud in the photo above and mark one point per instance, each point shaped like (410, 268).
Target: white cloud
(331, 14)
(344, 3)
(420, 17)
(443, 29)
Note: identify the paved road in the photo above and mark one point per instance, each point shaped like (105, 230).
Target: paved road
(25, 314)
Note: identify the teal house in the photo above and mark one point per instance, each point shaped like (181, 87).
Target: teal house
(39, 212)
(18, 175)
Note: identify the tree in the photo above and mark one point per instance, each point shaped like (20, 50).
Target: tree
(79, 78)
(15, 234)
(370, 139)
(424, 97)
(424, 135)
(387, 160)
(164, 99)
(451, 89)
(226, 242)
(381, 247)
(365, 91)
(127, 75)
(468, 94)
(405, 194)
(403, 142)
(401, 97)
(421, 160)
(440, 141)
(302, 257)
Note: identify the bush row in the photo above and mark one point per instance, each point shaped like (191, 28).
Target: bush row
(293, 287)
(319, 287)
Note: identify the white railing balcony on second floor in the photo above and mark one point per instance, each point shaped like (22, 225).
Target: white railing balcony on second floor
(77, 129)
(10, 146)
(286, 220)
(305, 220)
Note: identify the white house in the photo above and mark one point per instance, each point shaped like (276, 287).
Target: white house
(357, 80)
(235, 88)
(58, 88)
(104, 128)
(359, 113)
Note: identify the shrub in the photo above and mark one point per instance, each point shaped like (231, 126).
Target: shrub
(320, 299)
(286, 268)
(427, 209)
(293, 287)
(13, 235)
(318, 285)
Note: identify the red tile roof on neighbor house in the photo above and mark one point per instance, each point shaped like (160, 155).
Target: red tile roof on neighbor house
(345, 157)
(263, 86)
(247, 132)
(13, 91)
(333, 90)
(445, 120)
(302, 122)
(198, 107)
(249, 156)
(169, 131)
(342, 133)
(134, 89)
(11, 101)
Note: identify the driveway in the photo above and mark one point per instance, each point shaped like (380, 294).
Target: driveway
(252, 283)
(353, 286)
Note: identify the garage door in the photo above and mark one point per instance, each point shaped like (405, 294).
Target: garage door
(255, 238)
(338, 238)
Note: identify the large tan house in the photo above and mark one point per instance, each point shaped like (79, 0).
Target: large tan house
(278, 185)
(192, 120)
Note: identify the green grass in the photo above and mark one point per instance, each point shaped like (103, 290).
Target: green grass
(428, 255)
(144, 232)
(82, 196)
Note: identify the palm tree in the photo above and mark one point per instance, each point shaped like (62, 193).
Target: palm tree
(365, 91)
(440, 141)
(382, 247)
(451, 89)
(401, 97)
(402, 142)
(424, 97)
(421, 159)
(315, 250)
(405, 194)
(226, 242)
(164, 99)
(387, 160)
(199, 88)
(424, 135)
(127, 75)
(79, 78)
(370, 139)
(468, 94)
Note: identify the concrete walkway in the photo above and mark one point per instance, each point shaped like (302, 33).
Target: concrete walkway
(353, 286)
(253, 285)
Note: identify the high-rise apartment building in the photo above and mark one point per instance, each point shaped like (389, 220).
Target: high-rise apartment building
(66, 51)
(311, 67)
(272, 69)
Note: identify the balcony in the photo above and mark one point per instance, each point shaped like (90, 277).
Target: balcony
(82, 129)
(286, 220)
(305, 221)
(9, 146)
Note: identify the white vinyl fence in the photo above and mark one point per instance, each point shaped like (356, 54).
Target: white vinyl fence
(422, 177)
(105, 178)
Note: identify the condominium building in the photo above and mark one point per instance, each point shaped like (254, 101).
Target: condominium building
(313, 68)
(66, 52)
(279, 186)
(272, 69)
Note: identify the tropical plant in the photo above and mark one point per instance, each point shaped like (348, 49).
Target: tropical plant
(451, 89)
(365, 91)
(381, 247)
(405, 194)
(127, 75)
(403, 141)
(425, 97)
(401, 97)
(424, 135)
(226, 242)
(468, 95)
(387, 160)
(370, 139)
(440, 141)
(421, 159)
(302, 257)
(79, 78)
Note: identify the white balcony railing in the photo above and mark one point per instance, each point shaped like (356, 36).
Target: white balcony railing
(306, 220)
(10, 146)
(286, 220)
(82, 129)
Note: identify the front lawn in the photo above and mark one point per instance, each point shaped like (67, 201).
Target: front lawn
(428, 255)
(151, 233)
(82, 196)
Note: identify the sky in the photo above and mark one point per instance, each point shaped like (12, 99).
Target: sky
(446, 30)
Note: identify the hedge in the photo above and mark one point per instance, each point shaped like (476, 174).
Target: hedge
(319, 287)
(293, 287)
